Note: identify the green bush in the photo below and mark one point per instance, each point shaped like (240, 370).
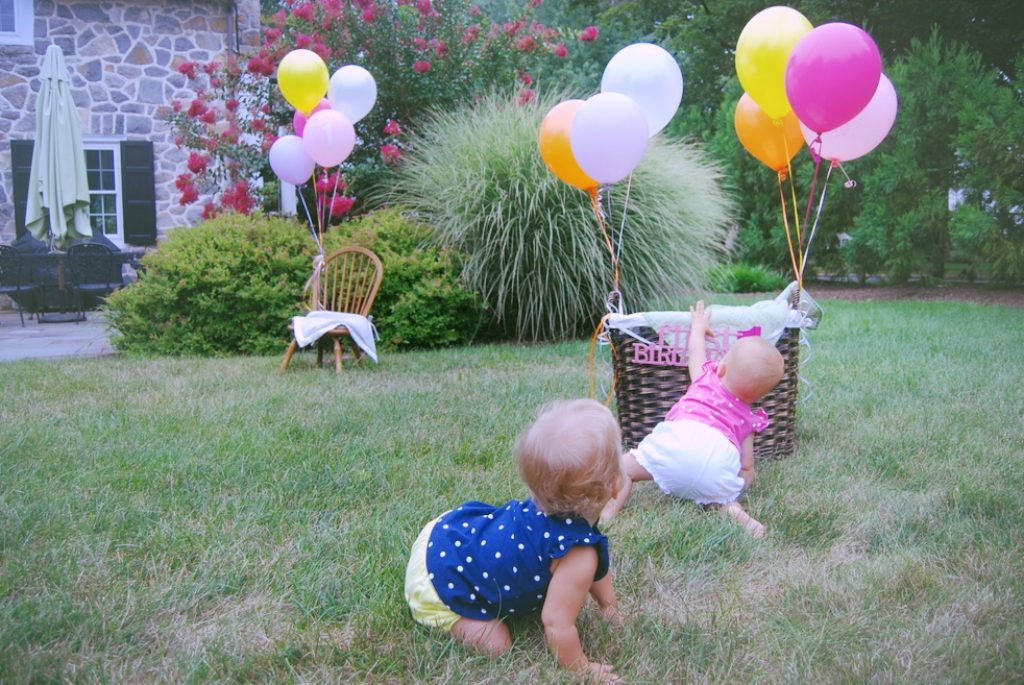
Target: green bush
(532, 245)
(422, 301)
(227, 286)
(745, 278)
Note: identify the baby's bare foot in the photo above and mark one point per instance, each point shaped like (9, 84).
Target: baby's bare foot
(749, 524)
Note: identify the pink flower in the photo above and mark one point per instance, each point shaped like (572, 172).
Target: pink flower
(304, 11)
(392, 128)
(303, 40)
(209, 210)
(588, 35)
(535, 3)
(526, 79)
(526, 44)
(419, 43)
(471, 34)
(560, 50)
(232, 104)
(390, 153)
(208, 117)
(259, 64)
(426, 8)
(272, 34)
(369, 15)
(197, 163)
(197, 108)
(475, 11)
(237, 197)
(188, 69)
(341, 204)
(211, 67)
(176, 105)
(511, 28)
(279, 19)
(421, 66)
(526, 95)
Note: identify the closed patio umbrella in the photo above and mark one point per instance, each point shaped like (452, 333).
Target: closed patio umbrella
(58, 198)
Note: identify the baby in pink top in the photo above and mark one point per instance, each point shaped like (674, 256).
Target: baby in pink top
(704, 449)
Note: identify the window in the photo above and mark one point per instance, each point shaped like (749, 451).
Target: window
(103, 164)
(16, 19)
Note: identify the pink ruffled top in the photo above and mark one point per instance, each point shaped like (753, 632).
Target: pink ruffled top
(707, 401)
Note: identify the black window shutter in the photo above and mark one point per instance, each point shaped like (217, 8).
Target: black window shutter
(138, 192)
(21, 166)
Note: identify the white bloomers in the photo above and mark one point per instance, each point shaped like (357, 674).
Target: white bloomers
(691, 460)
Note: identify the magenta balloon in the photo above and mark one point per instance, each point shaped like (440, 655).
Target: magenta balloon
(831, 75)
(329, 137)
(289, 160)
(609, 136)
(299, 119)
(861, 134)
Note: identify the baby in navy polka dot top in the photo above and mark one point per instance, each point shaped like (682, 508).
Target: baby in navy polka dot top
(478, 564)
(704, 449)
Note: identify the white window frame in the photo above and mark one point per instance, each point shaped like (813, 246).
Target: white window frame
(114, 145)
(24, 24)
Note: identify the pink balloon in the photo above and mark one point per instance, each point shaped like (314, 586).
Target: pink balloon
(299, 119)
(329, 137)
(289, 160)
(861, 134)
(609, 136)
(831, 75)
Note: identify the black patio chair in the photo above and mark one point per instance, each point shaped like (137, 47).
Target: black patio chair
(91, 269)
(15, 280)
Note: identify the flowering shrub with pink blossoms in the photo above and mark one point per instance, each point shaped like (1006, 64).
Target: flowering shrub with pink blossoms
(423, 55)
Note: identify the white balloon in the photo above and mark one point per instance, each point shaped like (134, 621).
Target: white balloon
(352, 91)
(289, 160)
(608, 136)
(651, 76)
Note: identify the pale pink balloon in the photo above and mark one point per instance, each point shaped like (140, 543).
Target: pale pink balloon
(864, 132)
(299, 119)
(289, 160)
(609, 136)
(329, 137)
(831, 75)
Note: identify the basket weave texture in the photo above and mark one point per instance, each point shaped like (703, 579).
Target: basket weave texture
(644, 393)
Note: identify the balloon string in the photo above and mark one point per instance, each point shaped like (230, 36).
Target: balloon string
(309, 219)
(817, 217)
(789, 240)
(622, 224)
(595, 203)
(591, 362)
(792, 186)
(810, 194)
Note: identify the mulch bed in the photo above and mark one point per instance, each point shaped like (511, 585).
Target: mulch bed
(959, 292)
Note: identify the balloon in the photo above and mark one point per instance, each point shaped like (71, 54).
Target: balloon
(651, 76)
(832, 74)
(608, 136)
(329, 137)
(763, 48)
(861, 134)
(289, 160)
(555, 148)
(299, 119)
(772, 141)
(302, 78)
(352, 91)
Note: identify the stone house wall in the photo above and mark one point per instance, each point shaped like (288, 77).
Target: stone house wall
(123, 57)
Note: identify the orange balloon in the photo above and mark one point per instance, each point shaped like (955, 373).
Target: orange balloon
(556, 150)
(773, 141)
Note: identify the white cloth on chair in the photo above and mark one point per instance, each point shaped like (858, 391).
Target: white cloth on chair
(309, 329)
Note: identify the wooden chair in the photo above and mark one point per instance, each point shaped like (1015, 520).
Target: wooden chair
(348, 281)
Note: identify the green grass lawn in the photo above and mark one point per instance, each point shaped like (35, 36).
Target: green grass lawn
(180, 520)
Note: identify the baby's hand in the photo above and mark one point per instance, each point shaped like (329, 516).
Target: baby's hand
(700, 319)
(601, 673)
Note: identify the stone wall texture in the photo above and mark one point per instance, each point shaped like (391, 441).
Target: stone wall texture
(123, 58)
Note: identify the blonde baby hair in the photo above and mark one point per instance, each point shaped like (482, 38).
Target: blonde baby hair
(570, 457)
(751, 368)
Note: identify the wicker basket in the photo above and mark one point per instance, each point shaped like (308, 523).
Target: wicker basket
(644, 393)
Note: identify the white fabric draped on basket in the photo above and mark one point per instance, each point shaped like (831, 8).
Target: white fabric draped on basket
(309, 329)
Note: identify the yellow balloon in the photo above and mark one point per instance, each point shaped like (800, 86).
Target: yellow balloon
(762, 51)
(555, 148)
(302, 77)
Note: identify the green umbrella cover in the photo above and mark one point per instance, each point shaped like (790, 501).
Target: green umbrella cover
(58, 198)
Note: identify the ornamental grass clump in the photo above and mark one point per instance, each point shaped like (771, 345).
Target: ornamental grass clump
(532, 245)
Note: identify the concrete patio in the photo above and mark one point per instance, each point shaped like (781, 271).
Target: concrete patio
(89, 338)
